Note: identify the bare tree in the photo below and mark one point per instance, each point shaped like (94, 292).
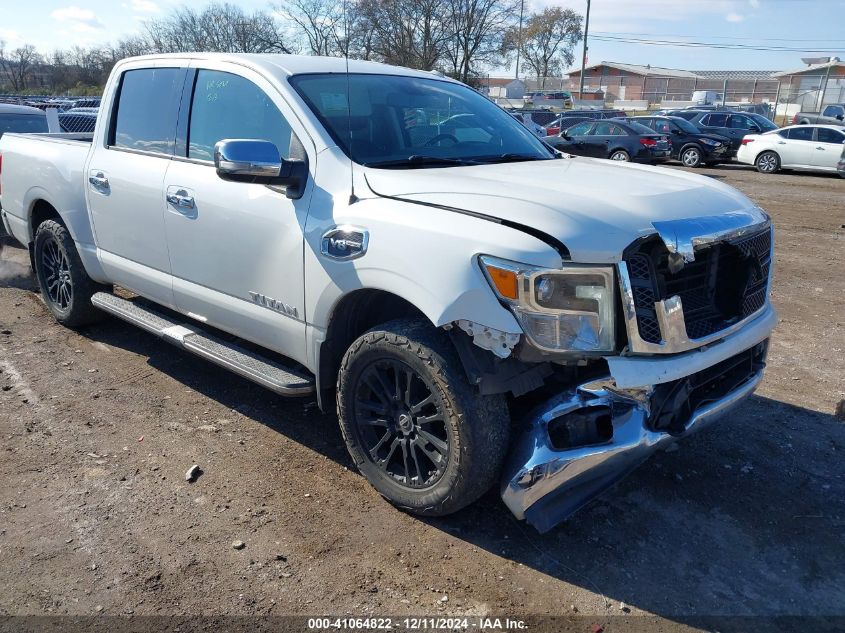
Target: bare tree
(18, 65)
(220, 27)
(547, 41)
(410, 33)
(478, 28)
(320, 22)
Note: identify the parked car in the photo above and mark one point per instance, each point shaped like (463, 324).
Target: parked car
(16, 118)
(427, 284)
(804, 147)
(840, 166)
(614, 139)
(527, 121)
(833, 114)
(72, 121)
(733, 125)
(572, 117)
(93, 102)
(690, 146)
(561, 98)
(706, 97)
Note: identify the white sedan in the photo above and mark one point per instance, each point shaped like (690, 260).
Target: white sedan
(806, 147)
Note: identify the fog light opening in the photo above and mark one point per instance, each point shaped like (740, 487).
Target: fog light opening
(582, 427)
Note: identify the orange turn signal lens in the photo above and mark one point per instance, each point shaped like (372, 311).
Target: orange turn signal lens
(504, 280)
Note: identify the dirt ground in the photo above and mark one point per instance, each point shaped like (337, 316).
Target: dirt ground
(98, 427)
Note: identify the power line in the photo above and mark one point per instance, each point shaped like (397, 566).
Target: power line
(717, 45)
(722, 37)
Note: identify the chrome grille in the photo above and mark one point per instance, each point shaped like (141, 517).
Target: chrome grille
(727, 282)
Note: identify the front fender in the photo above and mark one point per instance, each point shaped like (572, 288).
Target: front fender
(427, 256)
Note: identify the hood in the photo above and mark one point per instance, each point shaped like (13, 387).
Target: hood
(595, 207)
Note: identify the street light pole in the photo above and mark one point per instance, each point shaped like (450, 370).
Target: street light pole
(584, 55)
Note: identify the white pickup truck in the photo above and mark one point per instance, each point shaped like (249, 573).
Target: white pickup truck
(482, 307)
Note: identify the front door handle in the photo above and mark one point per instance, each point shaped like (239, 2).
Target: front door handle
(98, 180)
(181, 200)
(821, 148)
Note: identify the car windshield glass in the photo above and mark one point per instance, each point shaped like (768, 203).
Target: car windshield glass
(27, 123)
(395, 121)
(685, 125)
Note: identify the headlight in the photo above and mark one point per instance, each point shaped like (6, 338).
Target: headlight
(568, 309)
(710, 142)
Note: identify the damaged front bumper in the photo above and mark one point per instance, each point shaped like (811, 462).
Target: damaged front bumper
(581, 442)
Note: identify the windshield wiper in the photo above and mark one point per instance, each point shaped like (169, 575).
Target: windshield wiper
(417, 160)
(511, 158)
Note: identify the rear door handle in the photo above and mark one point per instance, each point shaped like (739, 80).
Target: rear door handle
(821, 148)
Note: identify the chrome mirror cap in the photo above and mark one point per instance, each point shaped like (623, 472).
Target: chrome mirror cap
(247, 157)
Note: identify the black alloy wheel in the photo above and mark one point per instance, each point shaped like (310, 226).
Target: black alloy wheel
(401, 423)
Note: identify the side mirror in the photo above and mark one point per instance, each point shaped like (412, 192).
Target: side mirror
(565, 136)
(840, 116)
(676, 132)
(259, 161)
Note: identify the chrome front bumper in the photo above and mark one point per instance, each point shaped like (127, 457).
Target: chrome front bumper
(544, 485)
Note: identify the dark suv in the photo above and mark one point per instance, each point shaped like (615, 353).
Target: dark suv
(690, 145)
(733, 125)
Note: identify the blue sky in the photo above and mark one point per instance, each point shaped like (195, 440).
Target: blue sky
(816, 24)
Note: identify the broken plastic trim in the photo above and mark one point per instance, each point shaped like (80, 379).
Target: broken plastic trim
(496, 341)
(545, 484)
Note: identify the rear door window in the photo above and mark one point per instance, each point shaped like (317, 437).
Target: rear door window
(715, 120)
(801, 134)
(227, 106)
(148, 109)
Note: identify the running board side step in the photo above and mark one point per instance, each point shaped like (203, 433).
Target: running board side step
(264, 371)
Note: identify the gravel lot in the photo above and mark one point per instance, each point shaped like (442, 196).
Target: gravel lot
(99, 426)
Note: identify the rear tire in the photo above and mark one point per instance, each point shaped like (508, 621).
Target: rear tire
(621, 155)
(65, 286)
(767, 163)
(417, 430)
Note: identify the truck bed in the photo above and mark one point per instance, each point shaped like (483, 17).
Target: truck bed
(47, 167)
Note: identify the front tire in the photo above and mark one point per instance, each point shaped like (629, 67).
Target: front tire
(415, 427)
(65, 286)
(767, 163)
(691, 157)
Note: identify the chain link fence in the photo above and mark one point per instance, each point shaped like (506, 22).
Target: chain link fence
(777, 98)
(69, 115)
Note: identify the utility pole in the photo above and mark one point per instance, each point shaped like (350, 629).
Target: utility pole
(519, 37)
(823, 86)
(584, 56)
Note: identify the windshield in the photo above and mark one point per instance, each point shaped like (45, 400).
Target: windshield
(23, 123)
(399, 121)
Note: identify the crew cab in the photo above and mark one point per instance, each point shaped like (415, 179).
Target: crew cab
(833, 114)
(479, 307)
